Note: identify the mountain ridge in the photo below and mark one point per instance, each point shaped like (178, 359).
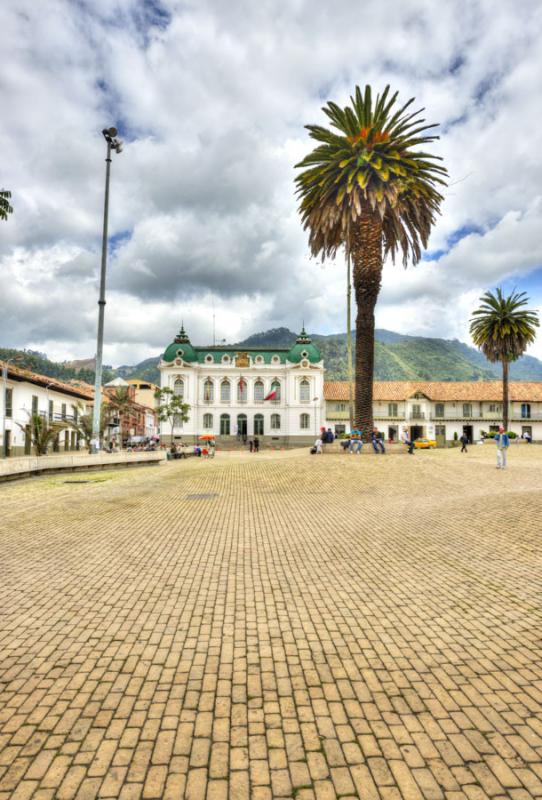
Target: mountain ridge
(398, 356)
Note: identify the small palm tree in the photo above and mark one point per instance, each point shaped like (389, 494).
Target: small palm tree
(83, 425)
(503, 329)
(5, 207)
(171, 408)
(369, 187)
(41, 432)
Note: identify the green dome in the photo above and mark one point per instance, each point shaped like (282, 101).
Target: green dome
(304, 348)
(180, 348)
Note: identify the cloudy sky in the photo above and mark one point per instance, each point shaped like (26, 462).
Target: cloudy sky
(211, 98)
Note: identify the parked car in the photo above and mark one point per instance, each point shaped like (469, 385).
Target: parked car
(425, 444)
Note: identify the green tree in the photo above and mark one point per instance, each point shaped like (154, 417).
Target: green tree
(171, 408)
(368, 187)
(5, 207)
(502, 328)
(41, 432)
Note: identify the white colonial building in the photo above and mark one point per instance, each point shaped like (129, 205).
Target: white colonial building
(442, 410)
(25, 393)
(276, 394)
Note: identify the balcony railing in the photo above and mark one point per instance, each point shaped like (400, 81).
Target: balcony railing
(416, 415)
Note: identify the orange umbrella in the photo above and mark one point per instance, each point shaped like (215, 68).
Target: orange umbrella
(207, 437)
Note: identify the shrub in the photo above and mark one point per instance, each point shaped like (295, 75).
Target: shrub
(490, 434)
(512, 435)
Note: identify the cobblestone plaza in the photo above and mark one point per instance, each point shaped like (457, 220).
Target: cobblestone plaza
(272, 626)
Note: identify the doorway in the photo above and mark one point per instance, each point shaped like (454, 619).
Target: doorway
(27, 441)
(258, 425)
(467, 430)
(224, 424)
(416, 432)
(393, 433)
(242, 425)
(7, 444)
(440, 435)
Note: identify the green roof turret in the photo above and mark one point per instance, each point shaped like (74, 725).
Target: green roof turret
(180, 348)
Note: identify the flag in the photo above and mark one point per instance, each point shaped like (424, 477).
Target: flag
(272, 395)
(242, 383)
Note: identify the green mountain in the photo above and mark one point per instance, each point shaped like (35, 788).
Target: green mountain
(61, 371)
(398, 357)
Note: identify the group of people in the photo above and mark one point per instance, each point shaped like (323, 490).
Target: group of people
(354, 443)
(324, 437)
(254, 445)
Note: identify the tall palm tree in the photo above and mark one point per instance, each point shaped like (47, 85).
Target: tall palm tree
(368, 187)
(503, 329)
(5, 207)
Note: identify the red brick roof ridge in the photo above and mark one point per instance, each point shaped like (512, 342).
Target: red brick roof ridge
(46, 380)
(441, 390)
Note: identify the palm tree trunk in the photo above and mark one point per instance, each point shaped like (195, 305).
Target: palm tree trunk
(367, 257)
(350, 365)
(505, 370)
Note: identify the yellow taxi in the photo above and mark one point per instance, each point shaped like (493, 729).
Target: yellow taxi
(425, 444)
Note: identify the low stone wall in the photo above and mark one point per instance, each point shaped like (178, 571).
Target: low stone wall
(13, 468)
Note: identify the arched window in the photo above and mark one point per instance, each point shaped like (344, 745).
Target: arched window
(304, 391)
(304, 422)
(242, 391)
(225, 391)
(242, 429)
(275, 422)
(224, 424)
(178, 388)
(258, 424)
(258, 392)
(208, 391)
(208, 421)
(275, 387)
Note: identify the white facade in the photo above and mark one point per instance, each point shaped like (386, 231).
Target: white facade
(228, 400)
(446, 419)
(29, 394)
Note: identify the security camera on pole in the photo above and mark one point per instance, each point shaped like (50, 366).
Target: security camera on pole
(110, 135)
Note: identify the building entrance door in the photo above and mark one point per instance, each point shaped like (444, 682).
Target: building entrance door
(468, 430)
(393, 433)
(7, 444)
(416, 432)
(242, 424)
(224, 424)
(258, 425)
(440, 435)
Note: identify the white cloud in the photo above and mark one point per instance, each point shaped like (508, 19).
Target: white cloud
(212, 99)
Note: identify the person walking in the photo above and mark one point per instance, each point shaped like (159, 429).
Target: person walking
(256, 445)
(251, 445)
(464, 439)
(378, 443)
(408, 441)
(503, 443)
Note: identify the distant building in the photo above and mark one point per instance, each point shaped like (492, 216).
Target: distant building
(136, 420)
(28, 393)
(273, 393)
(441, 409)
(144, 392)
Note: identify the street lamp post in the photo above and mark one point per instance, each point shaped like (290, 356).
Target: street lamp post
(315, 400)
(113, 143)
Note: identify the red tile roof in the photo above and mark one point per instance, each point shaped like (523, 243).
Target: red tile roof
(20, 374)
(524, 391)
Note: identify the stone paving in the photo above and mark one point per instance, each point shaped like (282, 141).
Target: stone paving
(272, 626)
